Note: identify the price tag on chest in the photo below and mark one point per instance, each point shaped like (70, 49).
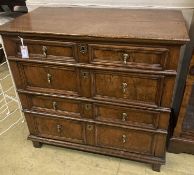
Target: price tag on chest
(24, 49)
(24, 52)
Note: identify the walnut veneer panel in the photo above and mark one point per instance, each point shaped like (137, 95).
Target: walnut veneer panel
(98, 80)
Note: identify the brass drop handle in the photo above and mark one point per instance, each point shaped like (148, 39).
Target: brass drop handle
(44, 50)
(124, 137)
(59, 128)
(124, 116)
(49, 77)
(54, 105)
(124, 87)
(125, 58)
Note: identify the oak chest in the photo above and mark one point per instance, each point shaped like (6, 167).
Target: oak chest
(98, 80)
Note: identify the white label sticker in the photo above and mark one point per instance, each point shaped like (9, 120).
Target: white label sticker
(24, 51)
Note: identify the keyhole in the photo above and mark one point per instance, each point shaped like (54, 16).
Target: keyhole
(85, 75)
(83, 49)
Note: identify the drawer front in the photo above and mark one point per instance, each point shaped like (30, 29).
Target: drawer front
(130, 56)
(60, 129)
(127, 116)
(61, 106)
(55, 79)
(138, 89)
(125, 139)
(49, 50)
(55, 105)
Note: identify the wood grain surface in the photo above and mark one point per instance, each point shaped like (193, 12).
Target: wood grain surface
(96, 22)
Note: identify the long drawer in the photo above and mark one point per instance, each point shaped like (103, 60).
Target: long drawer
(131, 56)
(131, 88)
(94, 111)
(105, 136)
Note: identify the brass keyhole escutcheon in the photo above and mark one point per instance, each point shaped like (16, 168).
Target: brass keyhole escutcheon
(90, 127)
(83, 48)
(85, 74)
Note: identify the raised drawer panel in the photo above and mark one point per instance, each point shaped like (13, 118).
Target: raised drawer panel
(49, 50)
(124, 139)
(138, 89)
(57, 105)
(56, 79)
(127, 116)
(130, 56)
(67, 130)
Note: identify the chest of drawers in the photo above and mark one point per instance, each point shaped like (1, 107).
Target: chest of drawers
(97, 80)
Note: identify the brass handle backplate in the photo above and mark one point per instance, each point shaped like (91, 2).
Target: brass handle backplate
(49, 76)
(124, 116)
(124, 137)
(85, 74)
(124, 87)
(54, 105)
(90, 127)
(44, 50)
(59, 128)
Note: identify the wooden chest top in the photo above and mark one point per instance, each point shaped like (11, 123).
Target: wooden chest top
(152, 25)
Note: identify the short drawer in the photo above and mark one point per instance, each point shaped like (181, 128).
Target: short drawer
(130, 88)
(143, 57)
(49, 50)
(60, 129)
(125, 139)
(53, 79)
(127, 116)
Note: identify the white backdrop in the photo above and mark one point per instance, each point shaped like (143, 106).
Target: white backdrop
(121, 3)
